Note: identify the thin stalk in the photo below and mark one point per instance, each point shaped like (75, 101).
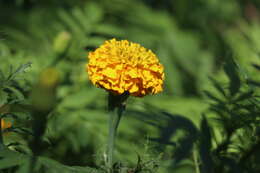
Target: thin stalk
(196, 163)
(114, 119)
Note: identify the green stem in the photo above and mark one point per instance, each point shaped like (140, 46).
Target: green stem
(196, 163)
(116, 107)
(115, 116)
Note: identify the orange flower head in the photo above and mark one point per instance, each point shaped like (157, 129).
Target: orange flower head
(123, 66)
(5, 125)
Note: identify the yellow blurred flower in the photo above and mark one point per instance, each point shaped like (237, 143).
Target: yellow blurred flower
(5, 125)
(123, 66)
(49, 78)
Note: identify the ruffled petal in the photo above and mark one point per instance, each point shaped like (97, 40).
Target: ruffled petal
(123, 66)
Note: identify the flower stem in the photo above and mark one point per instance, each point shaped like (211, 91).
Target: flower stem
(196, 163)
(115, 116)
(116, 107)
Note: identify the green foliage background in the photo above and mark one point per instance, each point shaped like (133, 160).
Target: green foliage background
(206, 120)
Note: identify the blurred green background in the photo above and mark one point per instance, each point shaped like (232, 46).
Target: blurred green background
(193, 40)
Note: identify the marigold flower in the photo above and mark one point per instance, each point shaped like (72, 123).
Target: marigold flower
(123, 66)
(4, 124)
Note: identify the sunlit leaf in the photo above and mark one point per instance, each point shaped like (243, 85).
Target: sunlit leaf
(10, 158)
